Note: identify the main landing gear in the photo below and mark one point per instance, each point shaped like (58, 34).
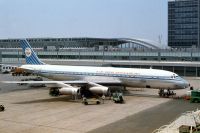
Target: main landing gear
(166, 93)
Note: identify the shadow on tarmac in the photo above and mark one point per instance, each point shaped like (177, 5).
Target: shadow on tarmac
(131, 93)
(53, 99)
(148, 120)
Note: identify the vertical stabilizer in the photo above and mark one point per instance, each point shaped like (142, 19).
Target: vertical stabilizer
(30, 55)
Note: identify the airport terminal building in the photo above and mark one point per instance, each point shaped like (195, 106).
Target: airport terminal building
(96, 43)
(96, 48)
(117, 52)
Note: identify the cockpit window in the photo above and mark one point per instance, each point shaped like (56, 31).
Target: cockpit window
(174, 76)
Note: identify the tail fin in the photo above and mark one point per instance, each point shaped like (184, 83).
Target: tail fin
(31, 57)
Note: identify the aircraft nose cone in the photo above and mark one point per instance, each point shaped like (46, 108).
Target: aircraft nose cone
(186, 84)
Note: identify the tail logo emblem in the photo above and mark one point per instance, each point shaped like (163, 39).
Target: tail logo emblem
(28, 52)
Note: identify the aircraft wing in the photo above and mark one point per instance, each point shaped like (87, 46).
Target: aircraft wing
(64, 83)
(47, 83)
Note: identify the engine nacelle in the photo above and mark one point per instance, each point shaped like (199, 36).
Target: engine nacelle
(68, 91)
(99, 90)
(63, 91)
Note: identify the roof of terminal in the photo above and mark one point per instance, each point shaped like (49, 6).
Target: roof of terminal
(113, 41)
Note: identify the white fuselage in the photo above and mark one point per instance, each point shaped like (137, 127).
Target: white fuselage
(150, 78)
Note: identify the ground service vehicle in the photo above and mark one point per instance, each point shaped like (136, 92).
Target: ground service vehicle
(117, 97)
(195, 96)
(87, 101)
(2, 108)
(19, 71)
(166, 93)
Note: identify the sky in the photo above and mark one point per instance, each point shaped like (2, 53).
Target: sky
(146, 19)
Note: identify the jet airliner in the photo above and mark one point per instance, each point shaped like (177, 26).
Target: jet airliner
(71, 80)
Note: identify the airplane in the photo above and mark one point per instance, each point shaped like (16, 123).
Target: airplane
(74, 80)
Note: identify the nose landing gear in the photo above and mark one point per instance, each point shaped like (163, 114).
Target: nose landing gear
(166, 93)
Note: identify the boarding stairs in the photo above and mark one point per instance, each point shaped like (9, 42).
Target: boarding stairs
(191, 120)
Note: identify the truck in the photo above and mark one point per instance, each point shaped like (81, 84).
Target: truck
(19, 71)
(195, 96)
(166, 93)
(117, 97)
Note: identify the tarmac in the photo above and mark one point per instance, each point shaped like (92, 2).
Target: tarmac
(32, 110)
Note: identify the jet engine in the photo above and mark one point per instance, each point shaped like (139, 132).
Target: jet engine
(69, 91)
(63, 91)
(99, 90)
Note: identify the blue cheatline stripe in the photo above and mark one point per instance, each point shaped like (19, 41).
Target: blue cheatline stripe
(96, 74)
(25, 43)
(27, 61)
(36, 58)
(33, 59)
(39, 60)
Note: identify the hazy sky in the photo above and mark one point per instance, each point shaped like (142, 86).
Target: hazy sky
(83, 18)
